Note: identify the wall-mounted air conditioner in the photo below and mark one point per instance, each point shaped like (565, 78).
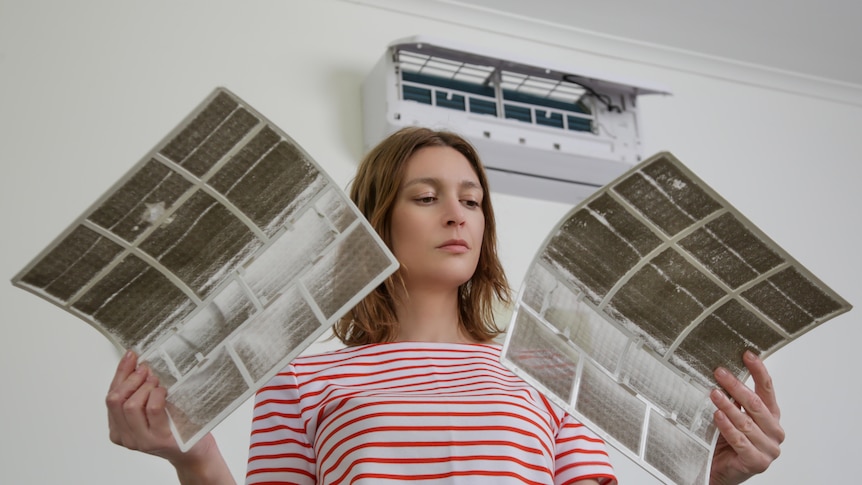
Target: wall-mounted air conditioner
(542, 131)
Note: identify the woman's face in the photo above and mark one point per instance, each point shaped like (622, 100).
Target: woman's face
(437, 221)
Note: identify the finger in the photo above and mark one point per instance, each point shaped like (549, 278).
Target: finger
(755, 448)
(738, 419)
(733, 435)
(126, 381)
(134, 409)
(740, 431)
(754, 405)
(120, 391)
(752, 458)
(763, 385)
(754, 419)
(157, 415)
(124, 368)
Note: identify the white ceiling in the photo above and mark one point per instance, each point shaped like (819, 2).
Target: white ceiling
(809, 37)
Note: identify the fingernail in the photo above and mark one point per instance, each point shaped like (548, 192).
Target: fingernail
(750, 356)
(722, 372)
(127, 355)
(716, 396)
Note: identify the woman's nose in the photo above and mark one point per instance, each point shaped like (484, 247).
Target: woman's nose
(454, 213)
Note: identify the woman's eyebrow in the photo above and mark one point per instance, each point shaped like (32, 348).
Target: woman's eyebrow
(423, 180)
(470, 184)
(435, 182)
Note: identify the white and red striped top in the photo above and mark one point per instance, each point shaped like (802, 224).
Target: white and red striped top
(418, 412)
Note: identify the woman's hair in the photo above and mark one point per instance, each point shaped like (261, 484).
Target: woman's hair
(374, 191)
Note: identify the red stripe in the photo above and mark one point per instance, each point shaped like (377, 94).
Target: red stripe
(418, 386)
(549, 408)
(419, 461)
(438, 476)
(389, 444)
(339, 356)
(398, 370)
(370, 385)
(278, 427)
(481, 414)
(276, 414)
(287, 441)
(602, 478)
(582, 451)
(591, 439)
(309, 459)
(429, 428)
(298, 471)
(581, 464)
(270, 482)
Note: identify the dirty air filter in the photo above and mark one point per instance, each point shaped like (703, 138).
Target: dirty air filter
(218, 258)
(638, 294)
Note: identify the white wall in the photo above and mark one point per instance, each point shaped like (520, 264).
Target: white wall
(88, 87)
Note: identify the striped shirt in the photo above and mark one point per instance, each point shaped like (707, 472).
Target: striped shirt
(418, 412)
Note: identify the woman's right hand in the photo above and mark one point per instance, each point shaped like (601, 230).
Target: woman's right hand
(138, 420)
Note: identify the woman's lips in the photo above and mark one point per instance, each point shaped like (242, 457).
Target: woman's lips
(454, 246)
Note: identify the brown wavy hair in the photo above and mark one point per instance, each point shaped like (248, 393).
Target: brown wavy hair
(374, 191)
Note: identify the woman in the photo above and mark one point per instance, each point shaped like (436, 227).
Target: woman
(419, 392)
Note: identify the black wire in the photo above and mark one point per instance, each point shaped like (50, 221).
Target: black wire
(604, 98)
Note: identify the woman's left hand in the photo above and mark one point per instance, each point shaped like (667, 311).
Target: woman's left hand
(751, 434)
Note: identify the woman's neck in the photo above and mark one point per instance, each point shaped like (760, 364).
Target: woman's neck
(430, 316)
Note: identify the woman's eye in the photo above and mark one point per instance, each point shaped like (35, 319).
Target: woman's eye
(473, 204)
(426, 200)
